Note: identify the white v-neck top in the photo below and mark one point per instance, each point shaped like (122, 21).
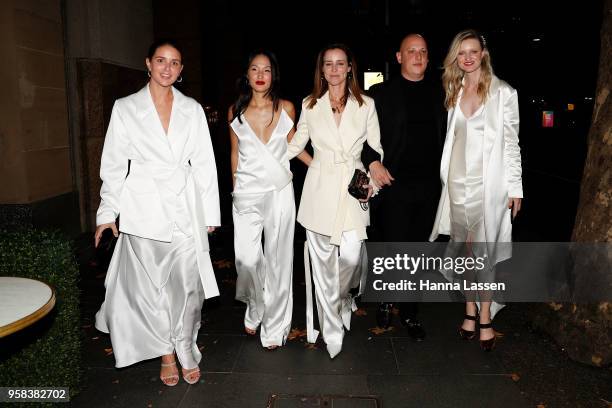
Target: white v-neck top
(252, 174)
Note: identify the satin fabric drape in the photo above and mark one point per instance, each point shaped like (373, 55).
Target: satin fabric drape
(465, 186)
(263, 205)
(153, 300)
(335, 271)
(501, 161)
(466, 198)
(265, 272)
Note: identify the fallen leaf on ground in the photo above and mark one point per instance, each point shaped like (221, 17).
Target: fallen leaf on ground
(596, 360)
(311, 346)
(361, 312)
(108, 351)
(515, 377)
(379, 330)
(223, 264)
(296, 333)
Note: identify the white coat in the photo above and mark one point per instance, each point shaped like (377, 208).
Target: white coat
(501, 169)
(326, 207)
(165, 171)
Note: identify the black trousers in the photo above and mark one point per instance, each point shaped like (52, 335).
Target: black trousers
(405, 215)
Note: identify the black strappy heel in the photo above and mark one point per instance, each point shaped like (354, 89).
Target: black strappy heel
(487, 345)
(468, 334)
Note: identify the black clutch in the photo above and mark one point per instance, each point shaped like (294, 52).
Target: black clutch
(358, 185)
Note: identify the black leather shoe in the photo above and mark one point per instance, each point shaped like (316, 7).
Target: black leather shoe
(383, 315)
(415, 330)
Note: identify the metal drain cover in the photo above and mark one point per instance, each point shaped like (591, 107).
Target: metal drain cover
(323, 401)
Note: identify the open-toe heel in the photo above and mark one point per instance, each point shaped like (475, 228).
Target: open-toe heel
(489, 344)
(467, 334)
(190, 373)
(172, 379)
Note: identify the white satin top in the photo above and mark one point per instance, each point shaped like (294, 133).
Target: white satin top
(262, 167)
(465, 176)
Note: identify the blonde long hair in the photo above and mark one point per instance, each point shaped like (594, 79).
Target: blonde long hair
(453, 75)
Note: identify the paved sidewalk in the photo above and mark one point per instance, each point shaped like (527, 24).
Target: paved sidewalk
(383, 369)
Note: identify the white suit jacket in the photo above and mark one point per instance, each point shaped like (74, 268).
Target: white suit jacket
(326, 207)
(162, 168)
(501, 168)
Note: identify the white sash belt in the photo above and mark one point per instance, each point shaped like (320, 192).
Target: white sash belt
(347, 164)
(179, 179)
(311, 333)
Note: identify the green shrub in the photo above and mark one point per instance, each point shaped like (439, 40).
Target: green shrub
(47, 353)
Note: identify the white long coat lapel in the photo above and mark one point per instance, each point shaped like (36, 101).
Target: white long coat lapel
(494, 114)
(150, 120)
(347, 136)
(323, 107)
(174, 141)
(450, 139)
(179, 123)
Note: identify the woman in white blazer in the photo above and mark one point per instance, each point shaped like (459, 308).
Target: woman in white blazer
(158, 174)
(261, 123)
(338, 119)
(480, 168)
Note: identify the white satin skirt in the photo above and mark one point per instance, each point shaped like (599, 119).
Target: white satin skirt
(335, 271)
(265, 271)
(153, 301)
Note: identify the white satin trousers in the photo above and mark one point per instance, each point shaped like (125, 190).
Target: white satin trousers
(265, 270)
(335, 271)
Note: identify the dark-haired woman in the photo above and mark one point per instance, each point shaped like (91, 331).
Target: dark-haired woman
(261, 123)
(158, 173)
(338, 119)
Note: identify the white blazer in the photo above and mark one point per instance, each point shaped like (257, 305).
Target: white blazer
(501, 168)
(162, 167)
(326, 207)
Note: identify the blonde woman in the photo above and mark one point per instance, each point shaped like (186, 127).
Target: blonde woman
(480, 168)
(338, 119)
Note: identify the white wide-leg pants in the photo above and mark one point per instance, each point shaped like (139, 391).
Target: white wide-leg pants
(265, 272)
(335, 271)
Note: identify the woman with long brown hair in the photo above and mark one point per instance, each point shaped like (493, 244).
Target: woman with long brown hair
(480, 170)
(338, 119)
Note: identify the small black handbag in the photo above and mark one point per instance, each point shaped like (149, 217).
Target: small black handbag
(358, 187)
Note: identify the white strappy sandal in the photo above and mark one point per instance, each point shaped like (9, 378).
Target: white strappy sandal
(174, 376)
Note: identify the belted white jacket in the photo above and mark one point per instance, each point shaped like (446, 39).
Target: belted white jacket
(326, 207)
(171, 177)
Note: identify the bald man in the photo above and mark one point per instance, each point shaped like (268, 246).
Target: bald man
(412, 121)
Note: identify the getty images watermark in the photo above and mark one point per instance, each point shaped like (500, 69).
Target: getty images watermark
(504, 272)
(411, 265)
